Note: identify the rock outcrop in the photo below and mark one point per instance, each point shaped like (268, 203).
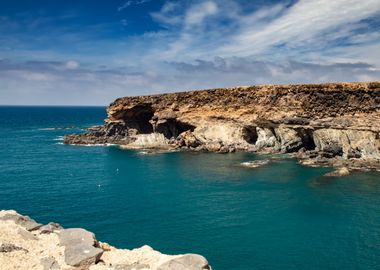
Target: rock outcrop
(26, 244)
(333, 124)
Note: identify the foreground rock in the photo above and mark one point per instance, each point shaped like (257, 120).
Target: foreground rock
(26, 245)
(323, 123)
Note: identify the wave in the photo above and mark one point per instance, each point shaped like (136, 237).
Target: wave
(255, 163)
(95, 145)
(59, 138)
(47, 128)
(58, 128)
(157, 151)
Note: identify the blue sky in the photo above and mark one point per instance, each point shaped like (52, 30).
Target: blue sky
(91, 52)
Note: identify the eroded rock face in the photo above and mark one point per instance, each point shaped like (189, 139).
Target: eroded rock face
(77, 249)
(331, 121)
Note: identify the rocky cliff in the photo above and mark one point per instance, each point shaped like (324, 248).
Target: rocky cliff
(322, 124)
(26, 244)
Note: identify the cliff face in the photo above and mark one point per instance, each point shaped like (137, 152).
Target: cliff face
(26, 244)
(330, 124)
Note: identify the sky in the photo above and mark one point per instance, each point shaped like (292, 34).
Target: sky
(87, 52)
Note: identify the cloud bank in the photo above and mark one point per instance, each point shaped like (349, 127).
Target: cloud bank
(195, 45)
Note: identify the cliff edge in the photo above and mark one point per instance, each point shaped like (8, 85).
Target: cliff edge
(26, 244)
(332, 124)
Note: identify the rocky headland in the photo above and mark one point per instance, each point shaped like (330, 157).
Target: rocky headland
(332, 124)
(26, 244)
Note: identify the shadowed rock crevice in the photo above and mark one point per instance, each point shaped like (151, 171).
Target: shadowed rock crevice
(250, 134)
(171, 128)
(138, 118)
(306, 136)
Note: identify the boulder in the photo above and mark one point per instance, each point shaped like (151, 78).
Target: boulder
(24, 221)
(186, 262)
(80, 247)
(76, 236)
(50, 227)
(82, 255)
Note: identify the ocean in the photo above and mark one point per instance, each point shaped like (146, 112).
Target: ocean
(279, 216)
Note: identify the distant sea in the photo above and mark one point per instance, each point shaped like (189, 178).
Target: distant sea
(280, 216)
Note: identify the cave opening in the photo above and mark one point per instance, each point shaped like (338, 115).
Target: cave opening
(250, 134)
(171, 128)
(138, 118)
(306, 136)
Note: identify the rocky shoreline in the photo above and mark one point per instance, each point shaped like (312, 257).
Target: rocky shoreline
(26, 244)
(333, 124)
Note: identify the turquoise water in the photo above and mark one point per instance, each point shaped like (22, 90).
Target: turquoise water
(281, 216)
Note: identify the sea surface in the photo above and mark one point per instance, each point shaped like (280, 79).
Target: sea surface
(280, 216)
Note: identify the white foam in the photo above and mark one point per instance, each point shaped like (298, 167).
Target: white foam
(255, 163)
(47, 129)
(95, 144)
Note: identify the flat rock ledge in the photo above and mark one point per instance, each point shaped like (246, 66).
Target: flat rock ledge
(26, 244)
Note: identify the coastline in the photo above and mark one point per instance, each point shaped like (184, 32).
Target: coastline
(333, 124)
(26, 244)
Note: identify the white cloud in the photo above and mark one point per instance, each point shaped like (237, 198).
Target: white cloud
(43, 83)
(72, 64)
(168, 14)
(131, 3)
(199, 44)
(196, 14)
(305, 30)
(301, 24)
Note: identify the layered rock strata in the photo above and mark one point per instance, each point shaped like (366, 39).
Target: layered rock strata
(322, 124)
(26, 244)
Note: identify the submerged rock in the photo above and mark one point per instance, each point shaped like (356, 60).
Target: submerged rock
(343, 171)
